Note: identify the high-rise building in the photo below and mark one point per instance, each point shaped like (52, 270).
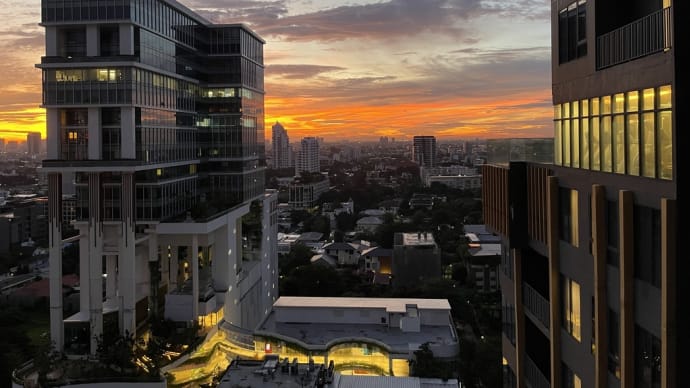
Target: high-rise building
(424, 150)
(282, 153)
(33, 143)
(592, 276)
(308, 156)
(158, 114)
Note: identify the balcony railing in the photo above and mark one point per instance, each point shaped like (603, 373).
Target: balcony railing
(533, 376)
(536, 304)
(645, 36)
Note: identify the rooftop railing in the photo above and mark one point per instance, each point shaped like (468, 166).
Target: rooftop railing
(645, 36)
(533, 376)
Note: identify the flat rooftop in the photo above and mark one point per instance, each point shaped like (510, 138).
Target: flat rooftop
(395, 305)
(317, 336)
(419, 239)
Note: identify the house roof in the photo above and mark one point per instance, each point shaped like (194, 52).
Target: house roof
(377, 252)
(310, 236)
(324, 258)
(369, 221)
(339, 246)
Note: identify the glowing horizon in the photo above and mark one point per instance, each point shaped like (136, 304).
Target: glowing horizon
(357, 70)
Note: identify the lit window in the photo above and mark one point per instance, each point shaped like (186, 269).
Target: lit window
(571, 308)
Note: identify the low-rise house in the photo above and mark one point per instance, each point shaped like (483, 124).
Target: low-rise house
(344, 253)
(368, 224)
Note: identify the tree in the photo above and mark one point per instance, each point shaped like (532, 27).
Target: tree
(299, 255)
(312, 280)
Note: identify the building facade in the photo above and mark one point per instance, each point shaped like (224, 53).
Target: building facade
(424, 150)
(282, 152)
(33, 143)
(308, 156)
(591, 273)
(416, 258)
(159, 117)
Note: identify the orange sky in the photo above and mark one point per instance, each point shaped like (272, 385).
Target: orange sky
(356, 69)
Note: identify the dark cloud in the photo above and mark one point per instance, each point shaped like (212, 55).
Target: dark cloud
(255, 13)
(299, 71)
(393, 18)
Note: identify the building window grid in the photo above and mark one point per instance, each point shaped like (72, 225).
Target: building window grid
(630, 135)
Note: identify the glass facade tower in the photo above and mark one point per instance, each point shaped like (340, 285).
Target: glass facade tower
(157, 116)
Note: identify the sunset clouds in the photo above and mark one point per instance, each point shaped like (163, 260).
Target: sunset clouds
(361, 68)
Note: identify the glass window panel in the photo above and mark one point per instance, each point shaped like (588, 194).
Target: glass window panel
(665, 155)
(576, 143)
(566, 110)
(596, 145)
(648, 99)
(595, 106)
(665, 97)
(575, 312)
(558, 144)
(633, 101)
(633, 144)
(584, 143)
(618, 144)
(584, 108)
(575, 107)
(606, 105)
(619, 103)
(648, 146)
(566, 142)
(606, 161)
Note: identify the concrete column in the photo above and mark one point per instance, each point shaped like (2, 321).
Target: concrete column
(153, 285)
(127, 257)
(95, 240)
(127, 130)
(553, 241)
(669, 329)
(599, 245)
(221, 259)
(53, 135)
(111, 279)
(51, 41)
(627, 287)
(520, 344)
(174, 270)
(95, 141)
(126, 39)
(57, 331)
(195, 276)
(84, 271)
(93, 40)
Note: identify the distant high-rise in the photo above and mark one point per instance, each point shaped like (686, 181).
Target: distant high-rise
(282, 153)
(33, 143)
(424, 150)
(158, 115)
(308, 156)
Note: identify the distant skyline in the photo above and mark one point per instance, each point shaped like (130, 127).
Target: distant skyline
(357, 69)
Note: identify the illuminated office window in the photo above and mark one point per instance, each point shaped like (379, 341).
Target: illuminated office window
(633, 144)
(618, 144)
(665, 156)
(648, 146)
(596, 145)
(584, 144)
(606, 161)
(572, 319)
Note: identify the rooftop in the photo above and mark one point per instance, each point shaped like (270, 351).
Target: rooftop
(420, 239)
(390, 304)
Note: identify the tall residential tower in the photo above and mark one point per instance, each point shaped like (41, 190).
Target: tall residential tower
(159, 117)
(282, 152)
(424, 150)
(592, 277)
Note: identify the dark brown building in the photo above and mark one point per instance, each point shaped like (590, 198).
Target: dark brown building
(592, 275)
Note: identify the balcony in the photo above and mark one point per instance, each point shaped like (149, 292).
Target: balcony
(533, 376)
(645, 36)
(536, 304)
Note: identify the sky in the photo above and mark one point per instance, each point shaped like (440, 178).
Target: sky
(354, 69)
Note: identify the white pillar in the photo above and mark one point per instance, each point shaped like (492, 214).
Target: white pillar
(84, 272)
(51, 41)
(221, 259)
(95, 240)
(174, 270)
(53, 135)
(111, 279)
(126, 259)
(57, 331)
(195, 276)
(93, 40)
(127, 130)
(95, 141)
(126, 39)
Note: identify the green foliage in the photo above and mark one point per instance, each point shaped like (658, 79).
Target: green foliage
(312, 280)
(426, 365)
(299, 255)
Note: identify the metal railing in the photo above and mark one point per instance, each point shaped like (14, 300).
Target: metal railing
(645, 36)
(533, 376)
(536, 304)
